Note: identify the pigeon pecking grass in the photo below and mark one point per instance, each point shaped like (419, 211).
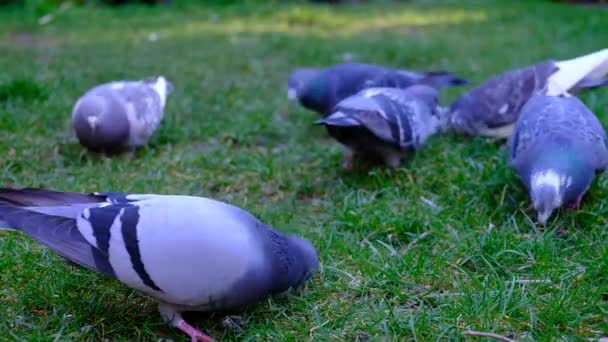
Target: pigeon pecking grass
(120, 115)
(557, 148)
(322, 92)
(188, 253)
(385, 122)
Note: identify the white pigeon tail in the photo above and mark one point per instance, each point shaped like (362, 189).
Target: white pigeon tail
(581, 72)
(189, 253)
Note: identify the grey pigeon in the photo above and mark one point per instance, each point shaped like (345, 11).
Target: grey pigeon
(385, 122)
(557, 148)
(492, 108)
(120, 114)
(335, 83)
(189, 253)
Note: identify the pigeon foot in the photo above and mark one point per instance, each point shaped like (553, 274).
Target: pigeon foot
(170, 313)
(393, 160)
(195, 334)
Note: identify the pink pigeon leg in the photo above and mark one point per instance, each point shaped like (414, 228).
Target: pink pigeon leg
(171, 314)
(349, 156)
(195, 334)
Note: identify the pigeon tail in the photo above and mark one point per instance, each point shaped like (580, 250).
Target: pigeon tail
(588, 84)
(442, 78)
(338, 119)
(163, 88)
(34, 197)
(583, 72)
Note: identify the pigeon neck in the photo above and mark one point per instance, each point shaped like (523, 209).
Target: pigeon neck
(563, 167)
(293, 261)
(561, 154)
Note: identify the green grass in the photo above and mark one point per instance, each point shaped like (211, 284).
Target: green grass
(421, 252)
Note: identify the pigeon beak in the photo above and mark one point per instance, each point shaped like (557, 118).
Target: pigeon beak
(543, 216)
(92, 120)
(292, 94)
(292, 100)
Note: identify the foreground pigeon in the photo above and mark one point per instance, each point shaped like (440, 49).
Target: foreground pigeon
(335, 83)
(557, 147)
(492, 108)
(385, 122)
(121, 114)
(189, 253)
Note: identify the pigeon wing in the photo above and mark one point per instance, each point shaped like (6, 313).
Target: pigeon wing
(498, 101)
(60, 234)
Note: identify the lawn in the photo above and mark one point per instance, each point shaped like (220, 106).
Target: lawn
(443, 244)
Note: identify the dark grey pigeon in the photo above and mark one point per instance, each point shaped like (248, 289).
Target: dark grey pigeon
(492, 108)
(385, 122)
(121, 114)
(335, 83)
(189, 253)
(557, 148)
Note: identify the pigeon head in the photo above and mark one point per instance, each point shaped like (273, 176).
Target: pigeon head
(315, 95)
(297, 80)
(161, 86)
(100, 122)
(305, 261)
(560, 176)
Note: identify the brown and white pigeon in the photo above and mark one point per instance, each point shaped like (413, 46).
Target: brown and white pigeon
(492, 108)
(385, 122)
(323, 91)
(120, 115)
(189, 253)
(557, 148)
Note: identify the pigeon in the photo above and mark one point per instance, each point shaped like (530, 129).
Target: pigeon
(493, 108)
(189, 253)
(385, 122)
(557, 147)
(120, 114)
(335, 83)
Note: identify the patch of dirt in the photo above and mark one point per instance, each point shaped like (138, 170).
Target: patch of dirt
(24, 39)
